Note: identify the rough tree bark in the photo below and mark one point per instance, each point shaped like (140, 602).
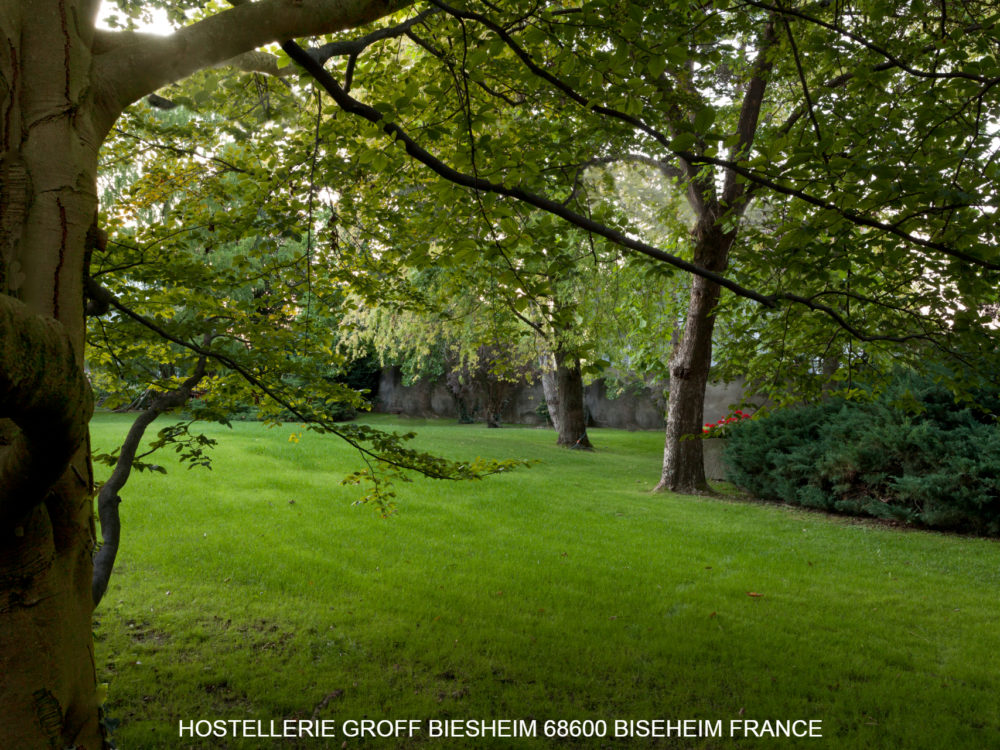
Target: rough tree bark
(48, 173)
(62, 86)
(572, 415)
(690, 362)
(691, 359)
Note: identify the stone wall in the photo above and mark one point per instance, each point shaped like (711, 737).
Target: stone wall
(636, 409)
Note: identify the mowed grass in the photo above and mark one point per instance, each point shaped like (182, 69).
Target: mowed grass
(565, 591)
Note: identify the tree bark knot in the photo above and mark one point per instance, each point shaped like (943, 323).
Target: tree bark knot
(50, 716)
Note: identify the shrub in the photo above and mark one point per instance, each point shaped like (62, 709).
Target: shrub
(912, 454)
(721, 428)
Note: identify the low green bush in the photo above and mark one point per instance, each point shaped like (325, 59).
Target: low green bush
(912, 454)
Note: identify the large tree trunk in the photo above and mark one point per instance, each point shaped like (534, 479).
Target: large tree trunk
(48, 203)
(47, 693)
(572, 415)
(62, 86)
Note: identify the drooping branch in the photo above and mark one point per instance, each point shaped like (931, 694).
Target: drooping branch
(45, 404)
(108, 499)
(385, 448)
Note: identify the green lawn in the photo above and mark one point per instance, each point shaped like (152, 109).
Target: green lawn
(565, 591)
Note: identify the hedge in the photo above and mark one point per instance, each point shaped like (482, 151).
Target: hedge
(912, 454)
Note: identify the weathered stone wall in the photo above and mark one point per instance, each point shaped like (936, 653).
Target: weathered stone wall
(637, 409)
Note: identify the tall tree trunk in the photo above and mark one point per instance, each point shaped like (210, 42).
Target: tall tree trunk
(572, 415)
(683, 457)
(108, 499)
(48, 166)
(690, 362)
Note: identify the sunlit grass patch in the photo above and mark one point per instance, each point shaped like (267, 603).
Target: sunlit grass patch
(564, 591)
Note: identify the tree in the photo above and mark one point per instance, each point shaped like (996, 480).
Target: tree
(64, 84)
(187, 218)
(717, 217)
(495, 313)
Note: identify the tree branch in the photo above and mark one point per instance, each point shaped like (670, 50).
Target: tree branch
(358, 108)
(45, 405)
(892, 59)
(228, 166)
(689, 158)
(667, 169)
(852, 216)
(131, 65)
(385, 450)
(552, 79)
(108, 499)
(802, 80)
(355, 107)
(746, 127)
(355, 47)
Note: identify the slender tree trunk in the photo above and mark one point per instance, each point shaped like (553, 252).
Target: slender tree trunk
(547, 363)
(572, 415)
(690, 362)
(108, 499)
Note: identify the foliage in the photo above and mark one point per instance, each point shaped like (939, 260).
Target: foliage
(871, 242)
(879, 200)
(912, 453)
(212, 252)
(878, 161)
(561, 101)
(191, 449)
